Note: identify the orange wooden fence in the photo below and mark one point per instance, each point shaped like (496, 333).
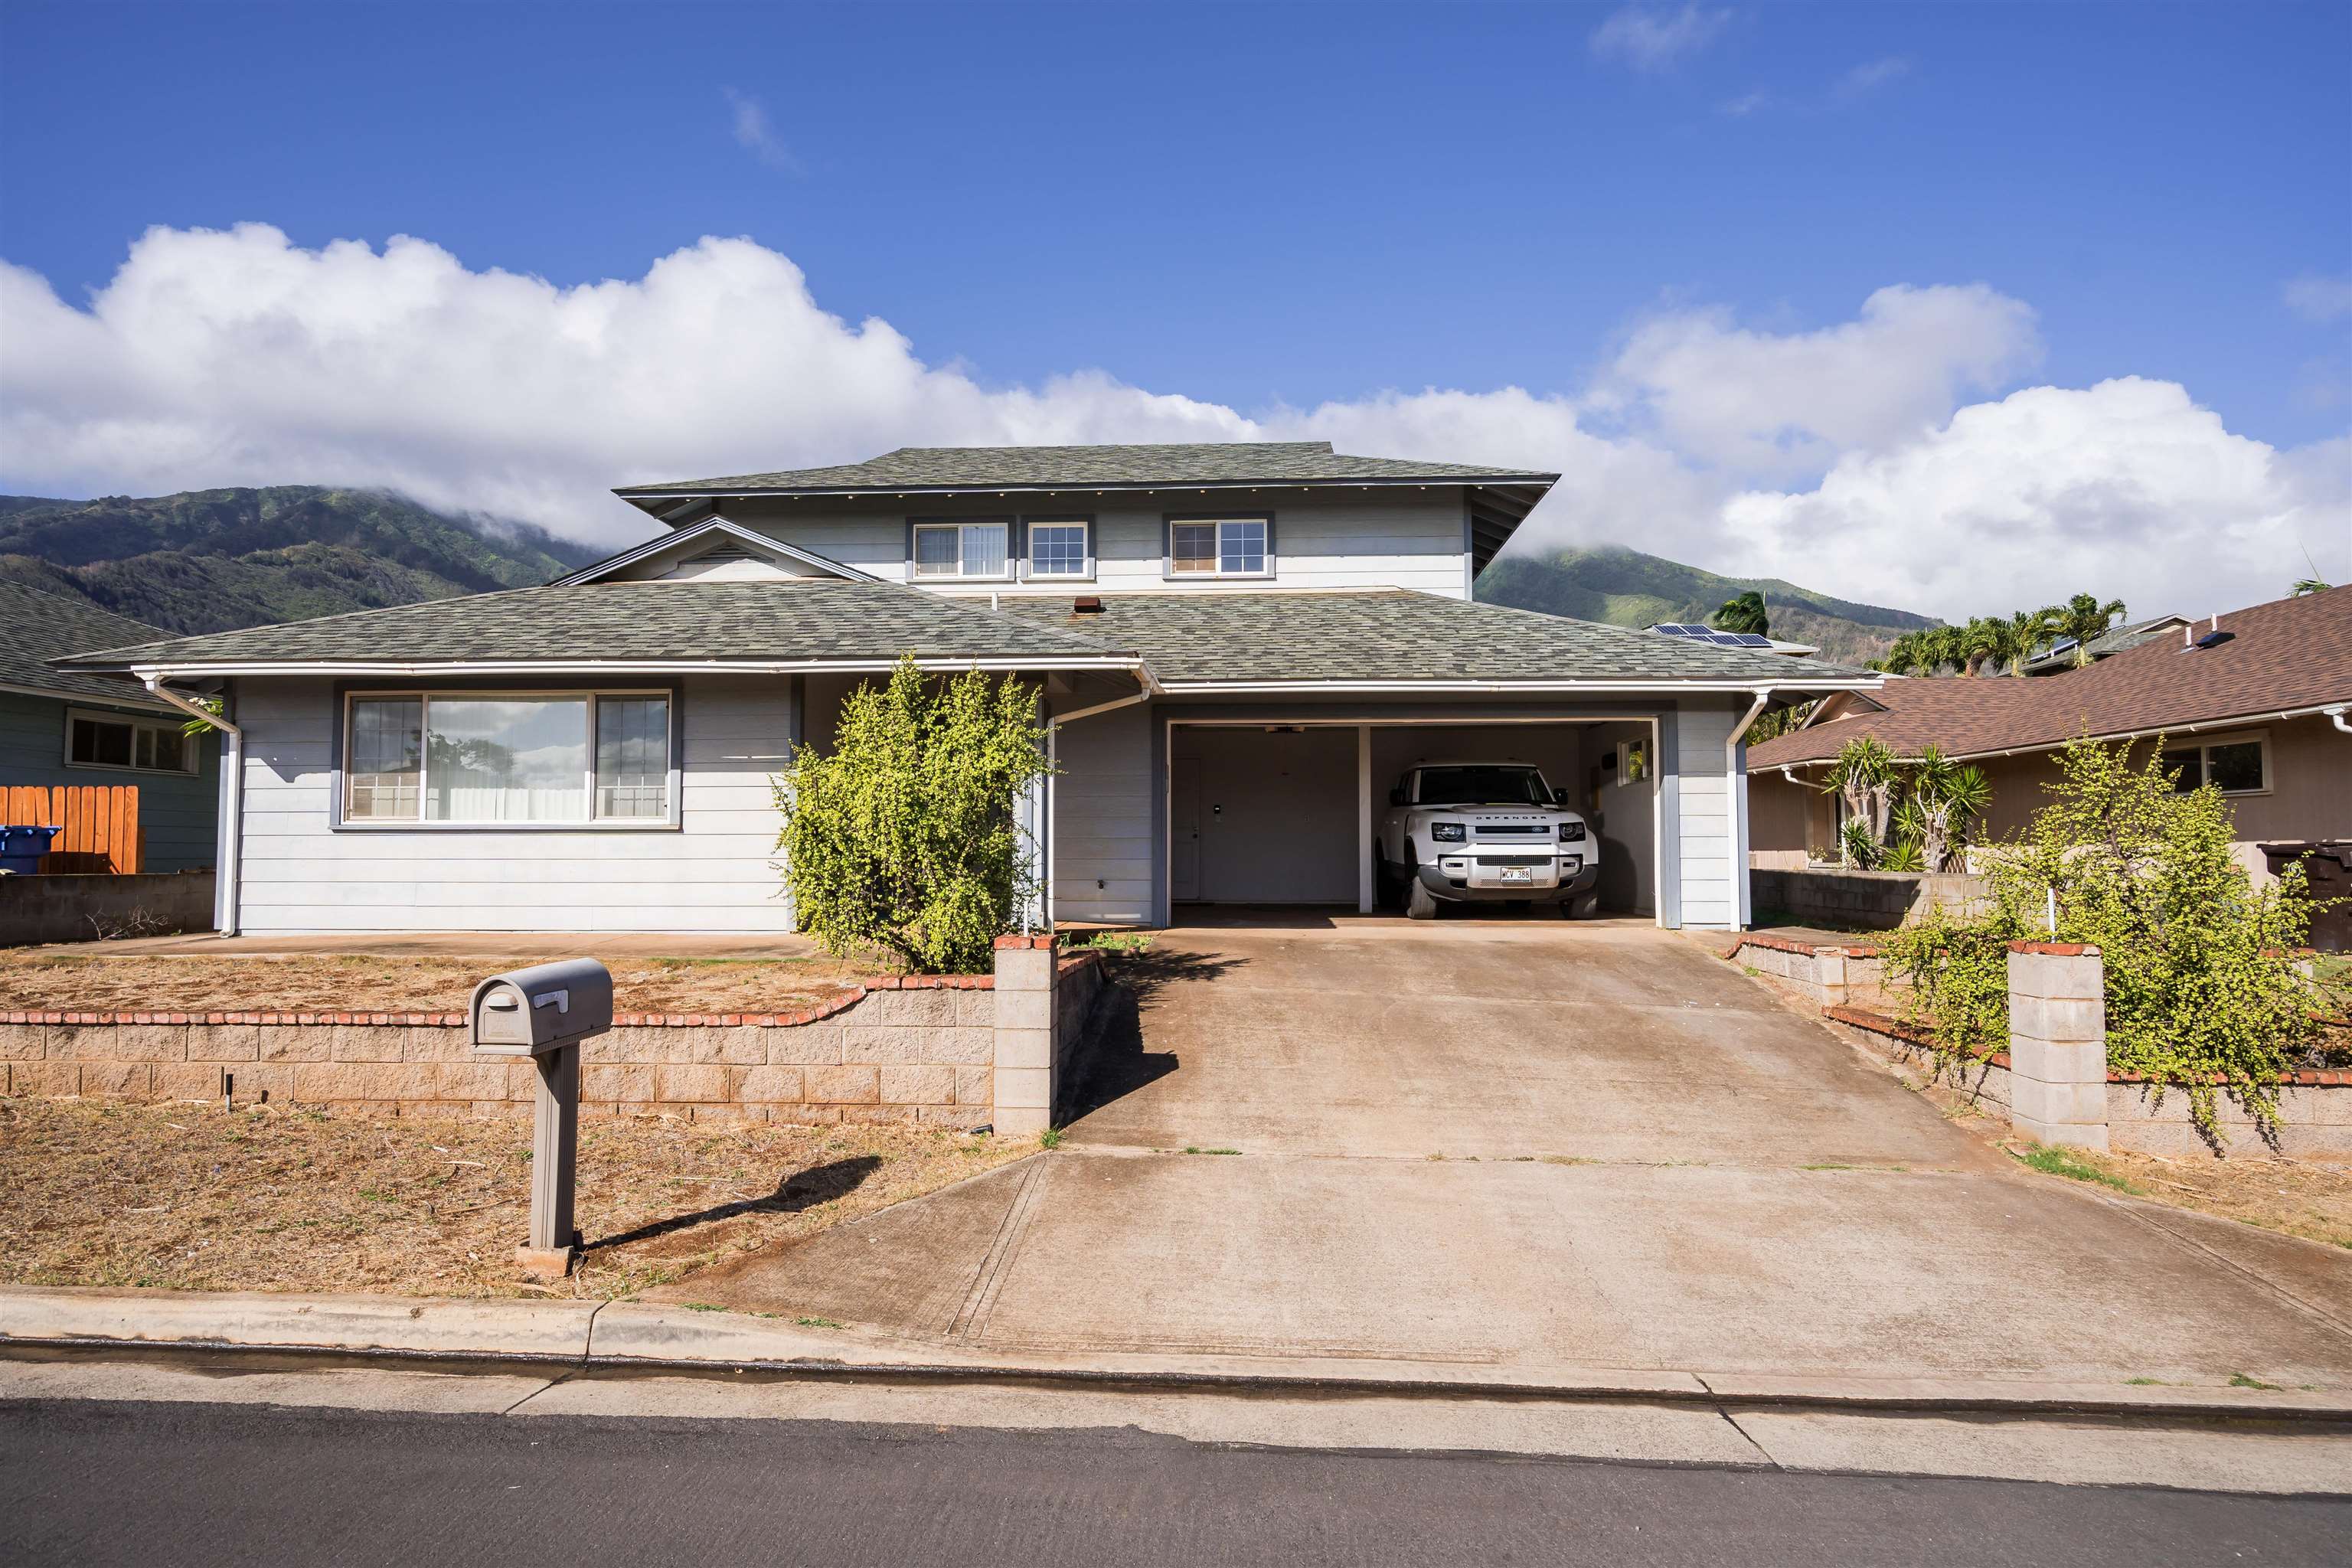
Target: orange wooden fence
(101, 822)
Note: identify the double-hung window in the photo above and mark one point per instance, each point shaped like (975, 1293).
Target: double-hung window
(1220, 547)
(1059, 547)
(539, 758)
(119, 741)
(952, 549)
(2234, 764)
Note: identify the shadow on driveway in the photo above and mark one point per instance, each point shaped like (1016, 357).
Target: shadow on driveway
(801, 1190)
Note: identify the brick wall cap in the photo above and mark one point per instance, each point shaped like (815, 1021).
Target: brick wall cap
(1044, 941)
(2056, 949)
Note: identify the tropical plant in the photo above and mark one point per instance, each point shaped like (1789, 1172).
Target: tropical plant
(903, 837)
(2204, 993)
(1941, 800)
(1904, 855)
(1743, 613)
(2303, 586)
(1864, 776)
(2084, 619)
(1981, 641)
(2028, 631)
(1901, 656)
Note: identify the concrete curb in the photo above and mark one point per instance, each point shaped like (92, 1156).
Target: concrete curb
(623, 1338)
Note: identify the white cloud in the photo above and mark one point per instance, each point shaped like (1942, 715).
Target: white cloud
(756, 136)
(1870, 76)
(2319, 299)
(1846, 457)
(1651, 40)
(1787, 403)
(2127, 488)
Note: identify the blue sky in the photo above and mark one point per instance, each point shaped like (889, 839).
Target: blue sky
(1270, 206)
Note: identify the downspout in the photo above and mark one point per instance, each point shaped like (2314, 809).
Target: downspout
(231, 800)
(1734, 780)
(2335, 717)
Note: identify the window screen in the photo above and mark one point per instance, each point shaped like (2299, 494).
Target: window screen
(633, 757)
(388, 752)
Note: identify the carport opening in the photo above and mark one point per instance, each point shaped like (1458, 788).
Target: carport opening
(1282, 815)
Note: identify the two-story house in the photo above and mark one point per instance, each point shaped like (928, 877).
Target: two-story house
(1239, 648)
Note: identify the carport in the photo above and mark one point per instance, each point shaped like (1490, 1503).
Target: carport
(1280, 809)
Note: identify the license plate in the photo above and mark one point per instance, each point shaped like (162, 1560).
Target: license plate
(1516, 874)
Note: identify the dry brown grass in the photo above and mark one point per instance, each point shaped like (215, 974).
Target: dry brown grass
(367, 983)
(189, 1196)
(2309, 1198)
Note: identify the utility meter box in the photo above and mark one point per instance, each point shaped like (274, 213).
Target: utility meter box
(536, 1010)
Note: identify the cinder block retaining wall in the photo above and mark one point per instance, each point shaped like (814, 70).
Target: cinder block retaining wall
(919, 1048)
(77, 908)
(1880, 900)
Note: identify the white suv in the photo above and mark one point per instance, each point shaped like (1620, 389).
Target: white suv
(1482, 832)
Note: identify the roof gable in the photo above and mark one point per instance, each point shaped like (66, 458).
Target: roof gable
(698, 538)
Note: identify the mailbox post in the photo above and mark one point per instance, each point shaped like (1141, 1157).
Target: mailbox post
(544, 1013)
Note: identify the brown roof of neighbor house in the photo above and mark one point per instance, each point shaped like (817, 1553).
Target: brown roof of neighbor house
(2283, 656)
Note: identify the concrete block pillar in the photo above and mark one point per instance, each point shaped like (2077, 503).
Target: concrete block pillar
(2058, 1043)
(1829, 973)
(1026, 967)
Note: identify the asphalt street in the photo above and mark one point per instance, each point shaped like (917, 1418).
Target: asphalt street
(172, 1483)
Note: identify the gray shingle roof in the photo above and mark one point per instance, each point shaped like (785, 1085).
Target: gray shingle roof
(36, 626)
(808, 620)
(1395, 635)
(1018, 468)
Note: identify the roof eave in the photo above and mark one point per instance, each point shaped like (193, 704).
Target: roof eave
(213, 669)
(640, 495)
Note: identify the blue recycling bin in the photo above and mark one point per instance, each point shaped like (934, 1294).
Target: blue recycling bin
(21, 847)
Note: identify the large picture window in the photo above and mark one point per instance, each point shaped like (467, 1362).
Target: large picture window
(1219, 547)
(980, 549)
(2234, 764)
(475, 759)
(119, 741)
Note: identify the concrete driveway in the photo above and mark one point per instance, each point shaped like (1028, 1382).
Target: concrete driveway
(1514, 1149)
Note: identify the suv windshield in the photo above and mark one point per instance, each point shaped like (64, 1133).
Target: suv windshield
(1483, 786)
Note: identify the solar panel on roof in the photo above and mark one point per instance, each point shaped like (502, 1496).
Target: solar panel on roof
(1749, 639)
(1672, 629)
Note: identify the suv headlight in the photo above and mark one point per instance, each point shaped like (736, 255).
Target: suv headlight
(1448, 832)
(1572, 833)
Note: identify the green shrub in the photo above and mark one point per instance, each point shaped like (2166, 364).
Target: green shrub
(2203, 993)
(902, 839)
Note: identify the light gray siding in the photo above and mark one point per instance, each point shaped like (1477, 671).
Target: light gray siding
(1712, 879)
(714, 873)
(1404, 539)
(177, 812)
(1105, 812)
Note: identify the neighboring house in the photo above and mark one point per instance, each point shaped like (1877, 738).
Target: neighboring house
(2254, 700)
(79, 727)
(2058, 655)
(1239, 648)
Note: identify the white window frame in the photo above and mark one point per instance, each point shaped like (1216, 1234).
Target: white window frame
(1220, 522)
(2203, 744)
(917, 527)
(193, 749)
(672, 781)
(1029, 527)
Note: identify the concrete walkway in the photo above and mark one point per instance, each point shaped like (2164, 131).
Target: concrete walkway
(1511, 1147)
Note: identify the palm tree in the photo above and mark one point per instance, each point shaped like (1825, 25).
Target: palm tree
(1743, 613)
(1979, 642)
(2310, 586)
(1939, 646)
(2029, 629)
(1901, 656)
(2084, 618)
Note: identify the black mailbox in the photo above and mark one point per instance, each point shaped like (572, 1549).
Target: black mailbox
(536, 1010)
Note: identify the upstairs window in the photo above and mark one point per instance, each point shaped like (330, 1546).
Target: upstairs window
(1219, 547)
(143, 745)
(951, 550)
(1059, 549)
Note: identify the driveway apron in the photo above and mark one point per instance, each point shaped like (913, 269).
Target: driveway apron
(1522, 1147)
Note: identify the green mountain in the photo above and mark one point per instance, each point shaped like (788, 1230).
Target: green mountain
(209, 561)
(1626, 588)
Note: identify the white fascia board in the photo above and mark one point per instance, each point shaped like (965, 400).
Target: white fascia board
(1642, 688)
(550, 668)
(598, 570)
(1170, 487)
(89, 699)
